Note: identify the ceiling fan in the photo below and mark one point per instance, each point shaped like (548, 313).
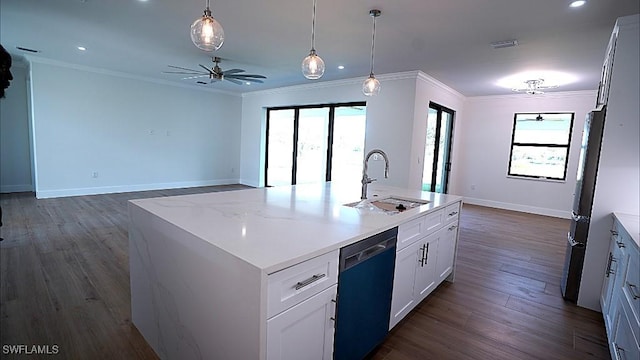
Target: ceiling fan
(534, 87)
(217, 74)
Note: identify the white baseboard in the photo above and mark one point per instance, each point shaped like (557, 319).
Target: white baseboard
(566, 214)
(44, 194)
(16, 188)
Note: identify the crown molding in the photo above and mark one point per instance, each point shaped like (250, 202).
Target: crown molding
(47, 61)
(427, 78)
(548, 95)
(333, 83)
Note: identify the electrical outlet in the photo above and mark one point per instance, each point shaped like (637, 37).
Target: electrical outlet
(473, 186)
(94, 174)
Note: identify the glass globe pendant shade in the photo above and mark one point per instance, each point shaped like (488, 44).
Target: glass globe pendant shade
(313, 66)
(207, 33)
(371, 86)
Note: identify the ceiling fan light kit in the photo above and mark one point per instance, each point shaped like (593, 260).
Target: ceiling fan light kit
(534, 87)
(313, 65)
(371, 85)
(206, 32)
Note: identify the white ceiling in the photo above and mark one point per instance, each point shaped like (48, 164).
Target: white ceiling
(449, 40)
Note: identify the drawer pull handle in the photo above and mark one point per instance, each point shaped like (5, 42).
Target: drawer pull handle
(452, 227)
(620, 352)
(453, 213)
(613, 232)
(620, 244)
(632, 290)
(609, 269)
(310, 280)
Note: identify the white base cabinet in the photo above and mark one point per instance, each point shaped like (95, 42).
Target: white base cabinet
(425, 257)
(304, 331)
(620, 298)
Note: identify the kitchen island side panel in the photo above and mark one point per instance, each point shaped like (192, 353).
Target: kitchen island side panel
(191, 300)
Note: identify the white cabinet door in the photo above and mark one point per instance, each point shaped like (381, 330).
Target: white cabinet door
(426, 266)
(304, 331)
(446, 251)
(402, 300)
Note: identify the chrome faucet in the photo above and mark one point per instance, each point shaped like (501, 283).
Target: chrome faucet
(366, 180)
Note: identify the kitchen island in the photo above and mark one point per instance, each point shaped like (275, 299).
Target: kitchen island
(206, 269)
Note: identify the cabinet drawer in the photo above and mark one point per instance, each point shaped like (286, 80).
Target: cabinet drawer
(415, 229)
(452, 212)
(292, 285)
(631, 284)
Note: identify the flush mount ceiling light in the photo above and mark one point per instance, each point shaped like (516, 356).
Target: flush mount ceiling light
(312, 65)
(577, 3)
(206, 32)
(534, 87)
(371, 86)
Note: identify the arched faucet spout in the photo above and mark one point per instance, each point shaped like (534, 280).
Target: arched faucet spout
(366, 180)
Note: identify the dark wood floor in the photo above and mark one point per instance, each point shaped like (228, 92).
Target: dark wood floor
(65, 281)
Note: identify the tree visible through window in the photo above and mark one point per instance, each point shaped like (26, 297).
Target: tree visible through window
(540, 145)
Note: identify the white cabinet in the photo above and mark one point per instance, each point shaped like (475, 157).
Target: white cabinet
(620, 298)
(304, 331)
(424, 258)
(446, 250)
(301, 310)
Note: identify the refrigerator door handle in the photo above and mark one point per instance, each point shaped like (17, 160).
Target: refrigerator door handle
(579, 218)
(573, 242)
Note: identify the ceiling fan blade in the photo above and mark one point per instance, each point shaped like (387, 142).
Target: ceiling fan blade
(232, 71)
(209, 71)
(184, 72)
(247, 76)
(194, 77)
(237, 82)
(181, 68)
(249, 80)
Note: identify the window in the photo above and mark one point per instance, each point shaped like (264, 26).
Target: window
(316, 143)
(540, 145)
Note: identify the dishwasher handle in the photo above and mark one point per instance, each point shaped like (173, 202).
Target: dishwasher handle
(356, 253)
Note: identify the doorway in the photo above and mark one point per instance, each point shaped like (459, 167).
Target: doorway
(310, 144)
(437, 153)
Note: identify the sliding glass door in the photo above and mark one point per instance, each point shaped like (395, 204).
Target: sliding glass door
(311, 144)
(437, 163)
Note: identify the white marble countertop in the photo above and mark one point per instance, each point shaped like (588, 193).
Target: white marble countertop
(631, 223)
(274, 228)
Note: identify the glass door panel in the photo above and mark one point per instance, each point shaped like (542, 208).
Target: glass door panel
(348, 143)
(312, 145)
(280, 147)
(437, 163)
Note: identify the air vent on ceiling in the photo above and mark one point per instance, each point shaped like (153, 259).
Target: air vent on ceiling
(504, 44)
(27, 49)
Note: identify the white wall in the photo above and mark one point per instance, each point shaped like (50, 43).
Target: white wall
(618, 182)
(486, 140)
(135, 134)
(15, 155)
(392, 121)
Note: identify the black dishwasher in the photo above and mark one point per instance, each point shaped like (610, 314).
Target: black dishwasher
(365, 283)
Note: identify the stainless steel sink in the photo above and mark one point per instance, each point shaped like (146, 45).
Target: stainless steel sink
(390, 205)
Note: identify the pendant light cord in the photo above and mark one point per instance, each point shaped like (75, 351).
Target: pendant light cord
(313, 27)
(373, 44)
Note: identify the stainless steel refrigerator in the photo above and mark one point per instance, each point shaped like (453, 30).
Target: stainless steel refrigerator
(582, 203)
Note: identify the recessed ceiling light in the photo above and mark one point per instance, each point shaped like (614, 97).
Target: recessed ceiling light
(577, 3)
(340, 67)
(247, 83)
(82, 48)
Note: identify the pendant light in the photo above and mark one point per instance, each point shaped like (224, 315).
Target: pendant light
(206, 32)
(312, 65)
(371, 86)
